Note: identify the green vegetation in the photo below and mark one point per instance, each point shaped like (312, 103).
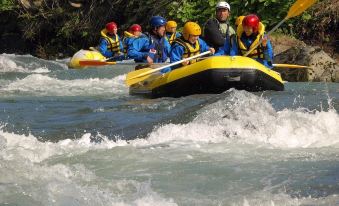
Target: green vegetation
(269, 11)
(7, 5)
(62, 27)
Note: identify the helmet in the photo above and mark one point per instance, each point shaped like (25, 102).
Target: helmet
(157, 21)
(223, 5)
(134, 27)
(171, 24)
(251, 20)
(111, 26)
(191, 28)
(239, 20)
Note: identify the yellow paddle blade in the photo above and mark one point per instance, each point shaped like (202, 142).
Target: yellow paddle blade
(290, 66)
(298, 7)
(94, 63)
(133, 77)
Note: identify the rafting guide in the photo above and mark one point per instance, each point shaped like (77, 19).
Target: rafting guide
(218, 29)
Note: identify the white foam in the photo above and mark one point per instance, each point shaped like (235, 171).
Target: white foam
(39, 172)
(15, 146)
(28, 64)
(246, 118)
(264, 198)
(7, 65)
(42, 85)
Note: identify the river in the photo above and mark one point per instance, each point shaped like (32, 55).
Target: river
(76, 137)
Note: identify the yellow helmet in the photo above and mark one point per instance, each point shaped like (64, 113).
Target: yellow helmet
(191, 28)
(170, 24)
(239, 20)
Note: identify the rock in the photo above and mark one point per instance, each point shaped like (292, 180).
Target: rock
(336, 76)
(282, 43)
(322, 66)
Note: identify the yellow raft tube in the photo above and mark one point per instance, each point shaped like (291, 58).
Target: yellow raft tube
(84, 55)
(211, 75)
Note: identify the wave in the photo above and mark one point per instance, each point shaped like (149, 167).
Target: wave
(31, 173)
(42, 85)
(28, 64)
(243, 117)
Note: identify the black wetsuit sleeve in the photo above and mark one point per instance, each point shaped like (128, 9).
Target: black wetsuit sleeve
(212, 34)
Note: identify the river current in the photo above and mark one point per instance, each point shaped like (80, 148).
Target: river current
(76, 137)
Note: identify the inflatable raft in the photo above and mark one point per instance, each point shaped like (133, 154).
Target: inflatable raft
(87, 55)
(215, 74)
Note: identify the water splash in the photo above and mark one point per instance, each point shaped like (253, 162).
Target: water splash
(29, 64)
(246, 118)
(42, 85)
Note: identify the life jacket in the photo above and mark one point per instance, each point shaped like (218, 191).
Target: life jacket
(159, 46)
(172, 37)
(259, 51)
(127, 35)
(224, 28)
(113, 45)
(189, 50)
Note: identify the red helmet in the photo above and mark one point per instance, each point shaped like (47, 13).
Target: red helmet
(135, 27)
(251, 20)
(111, 26)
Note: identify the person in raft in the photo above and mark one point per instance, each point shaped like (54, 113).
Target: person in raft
(189, 44)
(218, 29)
(249, 33)
(152, 47)
(110, 44)
(133, 32)
(171, 31)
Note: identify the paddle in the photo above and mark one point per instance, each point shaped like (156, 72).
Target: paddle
(290, 66)
(84, 63)
(136, 76)
(297, 8)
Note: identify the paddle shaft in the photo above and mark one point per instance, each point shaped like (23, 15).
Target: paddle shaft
(269, 33)
(291, 66)
(297, 8)
(181, 61)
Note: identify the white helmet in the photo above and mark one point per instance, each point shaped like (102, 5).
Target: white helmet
(224, 5)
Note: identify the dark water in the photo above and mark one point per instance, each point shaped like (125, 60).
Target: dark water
(76, 137)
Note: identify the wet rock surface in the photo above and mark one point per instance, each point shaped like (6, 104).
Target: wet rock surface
(322, 66)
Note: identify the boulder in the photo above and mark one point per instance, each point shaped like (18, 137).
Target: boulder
(322, 66)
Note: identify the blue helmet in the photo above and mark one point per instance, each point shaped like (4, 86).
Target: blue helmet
(157, 21)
